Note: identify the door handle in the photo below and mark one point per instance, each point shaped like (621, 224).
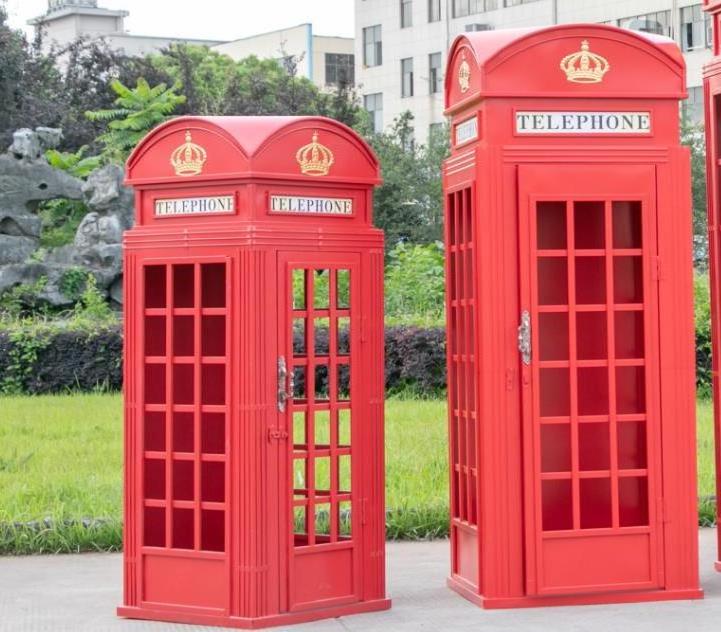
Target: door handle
(283, 394)
(524, 337)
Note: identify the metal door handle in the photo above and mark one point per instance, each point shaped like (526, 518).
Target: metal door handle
(283, 394)
(524, 337)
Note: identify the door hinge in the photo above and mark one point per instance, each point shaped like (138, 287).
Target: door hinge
(524, 337)
(275, 434)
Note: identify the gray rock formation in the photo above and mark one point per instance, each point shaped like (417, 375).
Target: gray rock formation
(26, 179)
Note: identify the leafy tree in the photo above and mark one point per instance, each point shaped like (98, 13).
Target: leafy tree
(217, 85)
(137, 111)
(28, 82)
(88, 67)
(409, 203)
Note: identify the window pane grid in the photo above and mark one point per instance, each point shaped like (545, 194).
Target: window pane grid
(591, 365)
(321, 487)
(461, 336)
(184, 420)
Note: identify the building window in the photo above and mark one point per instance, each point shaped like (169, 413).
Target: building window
(407, 77)
(406, 13)
(435, 74)
(434, 10)
(693, 111)
(513, 3)
(435, 132)
(658, 22)
(695, 28)
(462, 8)
(372, 46)
(408, 142)
(339, 69)
(374, 104)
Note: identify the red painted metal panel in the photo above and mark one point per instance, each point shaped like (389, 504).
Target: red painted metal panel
(712, 105)
(229, 211)
(571, 423)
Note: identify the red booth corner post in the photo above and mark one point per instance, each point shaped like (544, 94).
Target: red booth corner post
(712, 105)
(254, 473)
(570, 319)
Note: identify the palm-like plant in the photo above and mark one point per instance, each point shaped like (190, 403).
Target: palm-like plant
(137, 111)
(75, 163)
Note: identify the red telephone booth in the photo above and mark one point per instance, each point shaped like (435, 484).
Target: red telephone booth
(570, 323)
(712, 105)
(254, 473)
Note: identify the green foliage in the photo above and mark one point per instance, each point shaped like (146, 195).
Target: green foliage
(21, 301)
(92, 306)
(73, 282)
(217, 85)
(693, 137)
(415, 284)
(702, 318)
(137, 111)
(60, 221)
(409, 204)
(75, 163)
(22, 357)
(61, 217)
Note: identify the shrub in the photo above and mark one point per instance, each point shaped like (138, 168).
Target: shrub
(53, 358)
(702, 316)
(415, 360)
(415, 284)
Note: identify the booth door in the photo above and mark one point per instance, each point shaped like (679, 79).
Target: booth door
(588, 346)
(318, 404)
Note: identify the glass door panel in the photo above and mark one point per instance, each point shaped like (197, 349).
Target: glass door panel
(320, 335)
(592, 303)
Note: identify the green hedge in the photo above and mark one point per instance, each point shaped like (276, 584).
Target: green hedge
(55, 358)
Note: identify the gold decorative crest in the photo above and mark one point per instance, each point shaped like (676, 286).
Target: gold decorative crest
(464, 74)
(315, 159)
(585, 66)
(189, 158)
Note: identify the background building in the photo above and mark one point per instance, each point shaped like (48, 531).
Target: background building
(66, 20)
(325, 60)
(401, 44)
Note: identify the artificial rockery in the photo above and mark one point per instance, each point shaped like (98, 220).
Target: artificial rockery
(57, 274)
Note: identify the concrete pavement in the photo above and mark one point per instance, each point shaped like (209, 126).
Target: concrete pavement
(74, 593)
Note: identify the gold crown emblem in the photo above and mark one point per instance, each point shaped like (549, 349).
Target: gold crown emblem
(464, 74)
(315, 159)
(189, 158)
(585, 66)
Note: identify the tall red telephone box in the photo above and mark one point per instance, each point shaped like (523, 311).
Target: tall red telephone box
(712, 105)
(570, 323)
(254, 472)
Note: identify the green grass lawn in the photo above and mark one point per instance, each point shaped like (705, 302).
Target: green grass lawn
(61, 456)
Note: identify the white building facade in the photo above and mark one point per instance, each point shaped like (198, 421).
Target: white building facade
(325, 60)
(66, 20)
(401, 45)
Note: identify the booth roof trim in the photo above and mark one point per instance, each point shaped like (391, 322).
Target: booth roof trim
(491, 48)
(255, 138)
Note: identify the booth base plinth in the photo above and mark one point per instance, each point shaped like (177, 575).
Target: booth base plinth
(499, 603)
(151, 614)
